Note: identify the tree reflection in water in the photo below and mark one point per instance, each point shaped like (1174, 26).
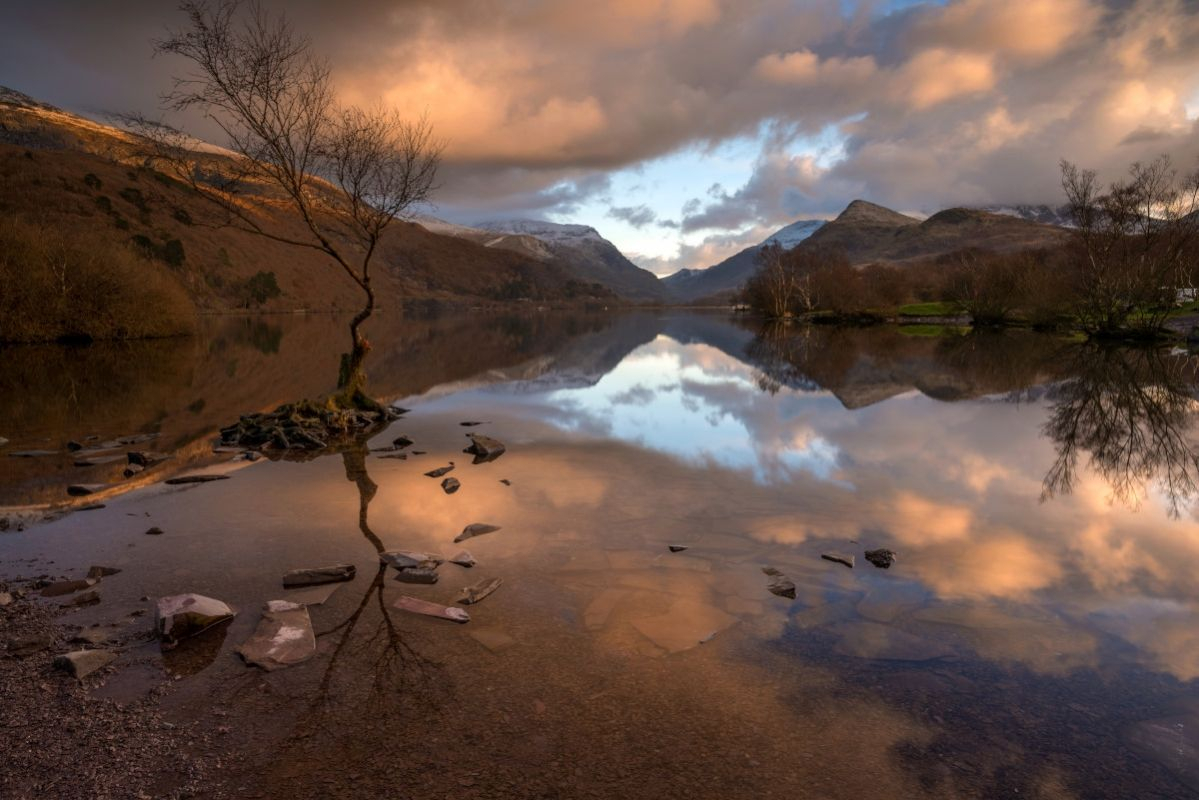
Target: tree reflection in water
(1131, 410)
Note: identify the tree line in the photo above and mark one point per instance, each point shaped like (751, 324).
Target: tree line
(1133, 254)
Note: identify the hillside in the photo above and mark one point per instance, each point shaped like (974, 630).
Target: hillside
(695, 284)
(74, 174)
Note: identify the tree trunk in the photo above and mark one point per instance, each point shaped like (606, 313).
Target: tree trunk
(351, 378)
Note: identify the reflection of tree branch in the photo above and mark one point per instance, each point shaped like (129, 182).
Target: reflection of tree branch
(1131, 410)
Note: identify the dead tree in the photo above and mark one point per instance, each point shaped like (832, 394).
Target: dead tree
(345, 173)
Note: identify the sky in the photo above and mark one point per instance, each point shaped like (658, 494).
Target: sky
(686, 130)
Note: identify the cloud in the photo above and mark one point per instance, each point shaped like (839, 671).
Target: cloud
(637, 216)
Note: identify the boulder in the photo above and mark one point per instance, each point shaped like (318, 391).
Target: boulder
(318, 575)
(82, 663)
(779, 583)
(284, 637)
(881, 558)
(182, 615)
(475, 529)
(484, 448)
(476, 592)
(839, 558)
(450, 485)
(417, 606)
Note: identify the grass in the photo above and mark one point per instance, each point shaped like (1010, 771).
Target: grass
(83, 287)
(933, 331)
(939, 308)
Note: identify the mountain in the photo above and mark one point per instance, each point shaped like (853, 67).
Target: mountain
(1046, 215)
(70, 173)
(688, 285)
(585, 254)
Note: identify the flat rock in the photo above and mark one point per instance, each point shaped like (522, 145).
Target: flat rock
(59, 588)
(779, 583)
(475, 529)
(484, 448)
(676, 548)
(82, 663)
(839, 558)
(476, 592)
(881, 558)
(408, 559)
(84, 489)
(450, 485)
(463, 559)
(95, 461)
(493, 639)
(184, 479)
(284, 637)
(92, 636)
(417, 606)
(437, 473)
(182, 615)
(416, 575)
(319, 575)
(688, 623)
(596, 615)
(27, 645)
(312, 595)
(32, 453)
(102, 572)
(85, 599)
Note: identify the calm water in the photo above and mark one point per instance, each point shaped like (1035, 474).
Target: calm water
(1036, 636)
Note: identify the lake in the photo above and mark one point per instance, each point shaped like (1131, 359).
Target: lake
(1035, 636)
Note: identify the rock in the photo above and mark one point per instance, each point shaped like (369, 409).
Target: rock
(74, 446)
(779, 583)
(505, 481)
(470, 424)
(133, 469)
(417, 575)
(3, 441)
(484, 448)
(95, 461)
(463, 559)
(475, 529)
(102, 572)
(476, 592)
(84, 489)
(397, 456)
(59, 588)
(6, 599)
(839, 558)
(27, 645)
(183, 615)
(437, 473)
(92, 636)
(493, 639)
(182, 479)
(155, 531)
(91, 507)
(32, 453)
(401, 442)
(397, 410)
(85, 599)
(419, 452)
(450, 485)
(146, 458)
(82, 663)
(410, 559)
(881, 558)
(284, 637)
(418, 606)
(676, 548)
(137, 438)
(312, 595)
(319, 575)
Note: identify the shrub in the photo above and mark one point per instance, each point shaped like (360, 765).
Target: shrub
(91, 181)
(135, 198)
(259, 288)
(54, 287)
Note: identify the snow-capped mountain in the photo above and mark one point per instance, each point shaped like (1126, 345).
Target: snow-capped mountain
(1044, 214)
(794, 233)
(552, 232)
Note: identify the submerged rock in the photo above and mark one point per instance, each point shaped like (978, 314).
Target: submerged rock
(418, 606)
(312, 595)
(182, 615)
(476, 592)
(779, 583)
(494, 639)
(450, 485)
(437, 473)
(318, 575)
(284, 637)
(463, 559)
(475, 529)
(426, 575)
(82, 663)
(85, 599)
(183, 479)
(484, 448)
(881, 558)
(839, 558)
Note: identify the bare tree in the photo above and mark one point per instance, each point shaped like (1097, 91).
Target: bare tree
(1130, 251)
(346, 173)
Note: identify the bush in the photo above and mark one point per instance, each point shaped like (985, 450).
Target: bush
(83, 287)
(91, 181)
(259, 288)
